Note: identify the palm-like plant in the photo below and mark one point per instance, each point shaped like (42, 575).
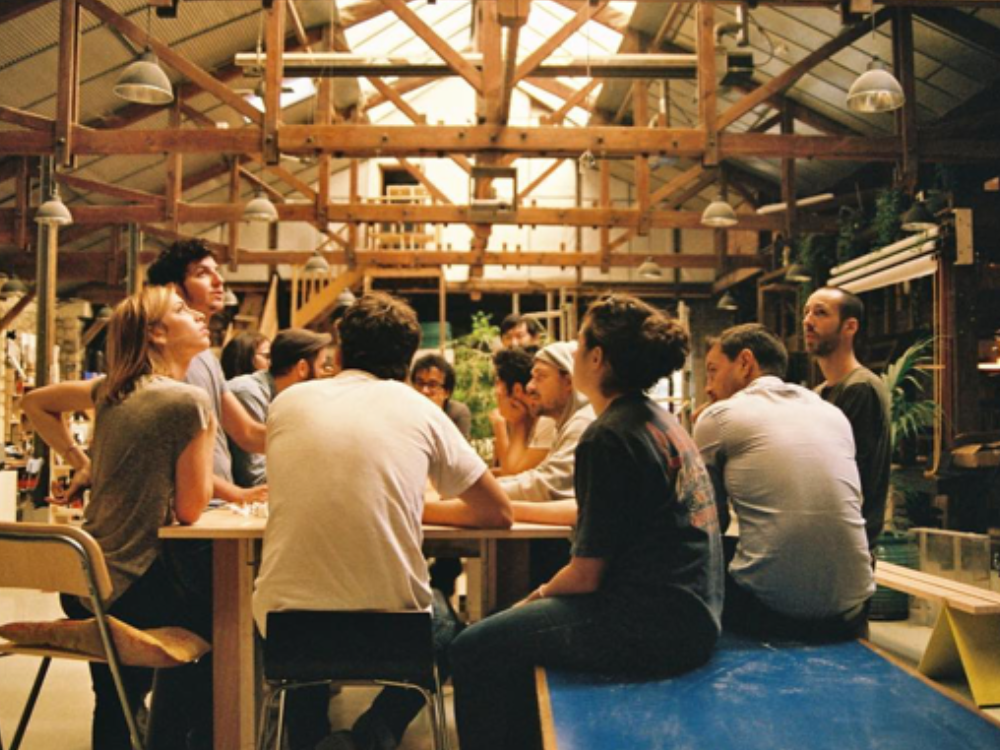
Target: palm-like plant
(904, 381)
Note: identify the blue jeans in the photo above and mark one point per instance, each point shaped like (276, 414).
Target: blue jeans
(385, 721)
(493, 661)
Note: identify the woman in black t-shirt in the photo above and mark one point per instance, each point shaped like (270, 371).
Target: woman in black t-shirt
(642, 594)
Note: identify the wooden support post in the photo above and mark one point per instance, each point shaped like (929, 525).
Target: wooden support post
(22, 202)
(640, 119)
(906, 116)
(707, 115)
(788, 189)
(68, 85)
(324, 112)
(605, 231)
(233, 234)
(352, 228)
(489, 40)
(273, 76)
(133, 276)
(175, 172)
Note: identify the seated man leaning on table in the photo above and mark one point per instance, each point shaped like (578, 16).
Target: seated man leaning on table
(545, 494)
(348, 459)
(784, 458)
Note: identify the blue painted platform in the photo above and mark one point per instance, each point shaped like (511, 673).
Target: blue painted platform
(755, 696)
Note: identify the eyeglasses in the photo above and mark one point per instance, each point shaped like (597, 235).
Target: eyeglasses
(428, 385)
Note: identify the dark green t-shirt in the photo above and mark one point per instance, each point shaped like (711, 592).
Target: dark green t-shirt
(863, 398)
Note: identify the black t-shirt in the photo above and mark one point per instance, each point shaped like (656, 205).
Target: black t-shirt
(647, 507)
(863, 398)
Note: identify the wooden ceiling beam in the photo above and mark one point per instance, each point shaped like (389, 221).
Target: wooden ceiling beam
(361, 141)
(583, 14)
(443, 50)
(104, 188)
(24, 119)
(578, 99)
(370, 213)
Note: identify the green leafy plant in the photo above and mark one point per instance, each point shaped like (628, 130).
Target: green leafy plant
(905, 382)
(474, 377)
(885, 223)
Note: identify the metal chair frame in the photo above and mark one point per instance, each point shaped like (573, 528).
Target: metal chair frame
(279, 686)
(37, 568)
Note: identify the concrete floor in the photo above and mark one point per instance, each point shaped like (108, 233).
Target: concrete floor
(62, 717)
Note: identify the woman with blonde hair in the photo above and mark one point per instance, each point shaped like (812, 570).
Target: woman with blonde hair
(152, 465)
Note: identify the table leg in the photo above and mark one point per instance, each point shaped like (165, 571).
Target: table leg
(232, 644)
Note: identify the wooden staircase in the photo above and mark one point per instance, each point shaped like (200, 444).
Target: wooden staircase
(314, 293)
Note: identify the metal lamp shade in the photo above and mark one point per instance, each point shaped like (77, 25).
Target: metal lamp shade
(719, 214)
(230, 299)
(918, 218)
(727, 302)
(53, 213)
(11, 286)
(876, 90)
(797, 274)
(650, 269)
(317, 263)
(260, 209)
(345, 298)
(144, 82)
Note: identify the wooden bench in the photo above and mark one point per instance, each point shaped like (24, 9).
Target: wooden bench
(966, 636)
(764, 696)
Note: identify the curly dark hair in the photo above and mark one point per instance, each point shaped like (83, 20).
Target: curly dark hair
(640, 343)
(379, 334)
(514, 365)
(172, 264)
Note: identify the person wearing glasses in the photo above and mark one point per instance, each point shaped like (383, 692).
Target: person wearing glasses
(434, 377)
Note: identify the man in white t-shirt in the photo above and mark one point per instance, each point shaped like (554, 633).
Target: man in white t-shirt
(784, 458)
(348, 460)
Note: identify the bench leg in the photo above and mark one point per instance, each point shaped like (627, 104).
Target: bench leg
(969, 644)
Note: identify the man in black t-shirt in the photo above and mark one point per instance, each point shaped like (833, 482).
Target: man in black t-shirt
(830, 323)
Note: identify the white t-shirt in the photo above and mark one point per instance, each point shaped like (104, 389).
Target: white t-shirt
(785, 459)
(348, 460)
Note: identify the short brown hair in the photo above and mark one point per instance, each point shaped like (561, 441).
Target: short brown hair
(379, 334)
(292, 345)
(767, 349)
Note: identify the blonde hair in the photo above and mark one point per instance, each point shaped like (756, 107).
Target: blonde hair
(131, 352)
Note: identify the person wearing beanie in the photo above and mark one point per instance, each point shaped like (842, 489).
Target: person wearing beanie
(545, 493)
(297, 355)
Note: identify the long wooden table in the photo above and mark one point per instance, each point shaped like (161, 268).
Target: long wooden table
(234, 564)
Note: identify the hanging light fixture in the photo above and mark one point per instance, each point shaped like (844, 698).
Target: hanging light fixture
(650, 269)
(797, 274)
(876, 90)
(317, 263)
(53, 213)
(143, 81)
(719, 214)
(260, 208)
(918, 218)
(727, 302)
(345, 299)
(230, 299)
(13, 285)
(104, 313)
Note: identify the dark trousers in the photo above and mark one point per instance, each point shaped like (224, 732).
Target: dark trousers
(744, 613)
(182, 709)
(493, 661)
(386, 720)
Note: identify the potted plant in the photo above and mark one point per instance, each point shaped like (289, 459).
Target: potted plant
(474, 379)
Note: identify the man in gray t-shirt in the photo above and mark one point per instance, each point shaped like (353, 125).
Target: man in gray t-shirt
(191, 269)
(784, 459)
